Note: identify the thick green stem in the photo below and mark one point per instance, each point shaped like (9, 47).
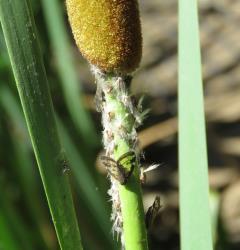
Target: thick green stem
(119, 120)
(135, 236)
(21, 39)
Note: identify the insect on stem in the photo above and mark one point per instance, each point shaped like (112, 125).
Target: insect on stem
(122, 169)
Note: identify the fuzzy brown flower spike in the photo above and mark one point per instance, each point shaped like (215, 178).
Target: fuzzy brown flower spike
(107, 32)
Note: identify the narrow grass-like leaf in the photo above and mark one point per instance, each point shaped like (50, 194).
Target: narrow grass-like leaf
(87, 187)
(86, 184)
(193, 165)
(67, 71)
(23, 48)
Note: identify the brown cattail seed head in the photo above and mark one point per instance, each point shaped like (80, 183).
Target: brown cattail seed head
(107, 32)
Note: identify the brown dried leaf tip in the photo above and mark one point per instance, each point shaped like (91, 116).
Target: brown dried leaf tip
(107, 32)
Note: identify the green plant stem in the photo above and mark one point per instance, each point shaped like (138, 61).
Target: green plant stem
(67, 72)
(134, 230)
(135, 236)
(120, 120)
(23, 47)
(193, 165)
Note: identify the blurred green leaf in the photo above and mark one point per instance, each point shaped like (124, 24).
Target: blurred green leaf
(193, 165)
(23, 162)
(13, 232)
(7, 240)
(214, 199)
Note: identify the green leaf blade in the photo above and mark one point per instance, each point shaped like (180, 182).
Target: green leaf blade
(193, 165)
(22, 43)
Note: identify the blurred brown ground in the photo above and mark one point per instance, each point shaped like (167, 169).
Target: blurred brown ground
(157, 79)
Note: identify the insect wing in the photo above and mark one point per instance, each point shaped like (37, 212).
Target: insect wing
(126, 165)
(156, 204)
(112, 168)
(152, 212)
